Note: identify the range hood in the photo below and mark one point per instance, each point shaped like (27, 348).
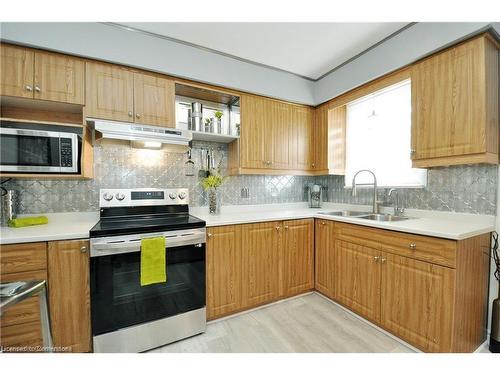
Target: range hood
(144, 136)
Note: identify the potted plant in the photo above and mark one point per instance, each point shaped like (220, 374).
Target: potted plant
(211, 185)
(218, 122)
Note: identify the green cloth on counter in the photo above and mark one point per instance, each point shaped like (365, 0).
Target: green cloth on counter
(27, 221)
(153, 261)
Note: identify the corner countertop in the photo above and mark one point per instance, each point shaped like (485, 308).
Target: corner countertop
(454, 226)
(450, 225)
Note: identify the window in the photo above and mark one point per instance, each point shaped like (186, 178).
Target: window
(378, 133)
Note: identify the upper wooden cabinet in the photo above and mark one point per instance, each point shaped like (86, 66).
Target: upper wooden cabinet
(276, 138)
(116, 93)
(110, 92)
(34, 74)
(455, 106)
(328, 140)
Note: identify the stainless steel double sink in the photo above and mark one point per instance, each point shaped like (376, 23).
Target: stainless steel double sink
(366, 215)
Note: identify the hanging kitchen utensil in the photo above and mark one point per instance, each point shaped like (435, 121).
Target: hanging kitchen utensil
(189, 165)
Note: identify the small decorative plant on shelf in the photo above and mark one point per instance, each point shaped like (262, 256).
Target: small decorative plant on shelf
(218, 122)
(211, 184)
(218, 115)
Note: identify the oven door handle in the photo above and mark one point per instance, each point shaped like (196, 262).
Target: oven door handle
(112, 248)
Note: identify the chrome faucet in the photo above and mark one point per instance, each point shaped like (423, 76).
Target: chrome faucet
(375, 203)
(398, 209)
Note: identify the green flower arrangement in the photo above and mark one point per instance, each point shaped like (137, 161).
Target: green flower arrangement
(213, 181)
(218, 114)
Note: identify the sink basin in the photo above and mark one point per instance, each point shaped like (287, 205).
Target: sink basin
(346, 213)
(383, 217)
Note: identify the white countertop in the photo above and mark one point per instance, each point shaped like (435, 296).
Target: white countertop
(455, 226)
(61, 226)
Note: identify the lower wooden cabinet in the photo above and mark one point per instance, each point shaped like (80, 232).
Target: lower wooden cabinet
(428, 291)
(358, 278)
(417, 302)
(324, 258)
(69, 294)
(253, 264)
(224, 260)
(261, 263)
(298, 256)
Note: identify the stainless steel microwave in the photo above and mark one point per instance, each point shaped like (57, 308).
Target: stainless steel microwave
(31, 147)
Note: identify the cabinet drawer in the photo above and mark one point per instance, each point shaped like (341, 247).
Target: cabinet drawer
(28, 334)
(23, 257)
(28, 310)
(429, 249)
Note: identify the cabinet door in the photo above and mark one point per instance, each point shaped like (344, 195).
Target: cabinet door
(223, 270)
(109, 92)
(447, 104)
(69, 294)
(417, 302)
(358, 278)
(59, 78)
(261, 252)
(281, 133)
(302, 138)
(255, 132)
(319, 142)
(298, 256)
(16, 77)
(154, 100)
(325, 258)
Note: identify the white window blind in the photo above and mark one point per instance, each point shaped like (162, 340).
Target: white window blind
(378, 137)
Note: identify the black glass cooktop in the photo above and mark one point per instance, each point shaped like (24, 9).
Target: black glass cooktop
(113, 226)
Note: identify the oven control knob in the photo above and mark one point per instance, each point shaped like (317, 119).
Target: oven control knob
(172, 196)
(107, 196)
(120, 196)
(182, 195)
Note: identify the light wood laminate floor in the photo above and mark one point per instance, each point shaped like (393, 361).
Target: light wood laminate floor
(309, 323)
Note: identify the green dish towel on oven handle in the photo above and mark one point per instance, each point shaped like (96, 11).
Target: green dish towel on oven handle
(153, 261)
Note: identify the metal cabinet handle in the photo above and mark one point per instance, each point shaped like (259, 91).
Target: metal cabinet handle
(278, 227)
(138, 115)
(286, 227)
(130, 114)
(37, 88)
(376, 259)
(323, 223)
(209, 235)
(413, 246)
(28, 88)
(382, 260)
(313, 165)
(83, 249)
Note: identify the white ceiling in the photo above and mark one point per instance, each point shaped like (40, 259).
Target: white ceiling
(306, 49)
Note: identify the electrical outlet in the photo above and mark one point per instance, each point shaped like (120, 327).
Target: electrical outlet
(245, 193)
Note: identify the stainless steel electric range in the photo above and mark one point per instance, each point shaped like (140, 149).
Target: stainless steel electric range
(128, 317)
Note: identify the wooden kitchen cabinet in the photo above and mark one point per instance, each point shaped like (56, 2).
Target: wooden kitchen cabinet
(417, 302)
(69, 294)
(109, 92)
(325, 258)
(455, 105)
(302, 139)
(36, 74)
(357, 269)
(17, 71)
(261, 250)
(298, 256)
(276, 138)
(154, 100)
(117, 93)
(224, 270)
(20, 325)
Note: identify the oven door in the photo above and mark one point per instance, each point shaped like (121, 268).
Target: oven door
(38, 151)
(117, 298)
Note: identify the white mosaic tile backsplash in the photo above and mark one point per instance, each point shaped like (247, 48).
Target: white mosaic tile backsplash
(117, 165)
